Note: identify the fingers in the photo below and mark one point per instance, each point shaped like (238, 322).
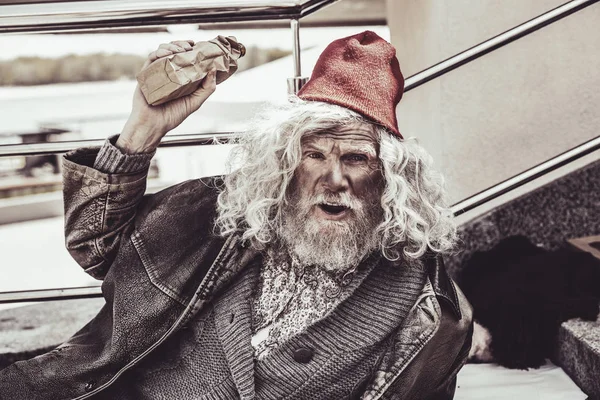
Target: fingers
(156, 54)
(167, 49)
(186, 44)
(175, 47)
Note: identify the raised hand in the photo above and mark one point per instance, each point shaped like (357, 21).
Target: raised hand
(147, 124)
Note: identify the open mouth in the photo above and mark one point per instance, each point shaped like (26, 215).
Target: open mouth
(333, 209)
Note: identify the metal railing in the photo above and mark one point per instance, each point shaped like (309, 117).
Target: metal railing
(39, 149)
(71, 293)
(526, 176)
(88, 15)
(497, 42)
(411, 83)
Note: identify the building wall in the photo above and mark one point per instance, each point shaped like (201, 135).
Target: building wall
(509, 110)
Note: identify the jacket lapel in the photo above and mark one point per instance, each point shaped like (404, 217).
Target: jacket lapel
(441, 282)
(376, 308)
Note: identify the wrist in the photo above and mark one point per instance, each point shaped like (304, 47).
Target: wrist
(137, 138)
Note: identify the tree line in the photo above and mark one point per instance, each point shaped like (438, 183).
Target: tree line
(27, 71)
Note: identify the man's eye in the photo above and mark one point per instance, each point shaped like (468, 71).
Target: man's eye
(317, 156)
(357, 158)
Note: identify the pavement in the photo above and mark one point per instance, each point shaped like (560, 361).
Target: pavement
(34, 329)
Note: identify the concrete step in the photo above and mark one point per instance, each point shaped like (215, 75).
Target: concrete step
(578, 353)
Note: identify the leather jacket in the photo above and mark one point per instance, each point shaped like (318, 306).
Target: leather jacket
(160, 250)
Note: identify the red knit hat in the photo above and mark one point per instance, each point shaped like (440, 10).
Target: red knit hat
(359, 72)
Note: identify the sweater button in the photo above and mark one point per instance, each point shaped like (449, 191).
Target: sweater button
(303, 355)
(90, 386)
(231, 318)
(359, 389)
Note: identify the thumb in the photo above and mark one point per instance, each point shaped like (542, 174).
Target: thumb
(209, 83)
(208, 86)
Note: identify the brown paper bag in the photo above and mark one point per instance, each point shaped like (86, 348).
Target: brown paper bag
(178, 75)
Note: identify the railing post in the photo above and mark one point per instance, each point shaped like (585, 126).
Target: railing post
(296, 83)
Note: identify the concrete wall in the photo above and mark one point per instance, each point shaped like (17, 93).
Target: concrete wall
(509, 110)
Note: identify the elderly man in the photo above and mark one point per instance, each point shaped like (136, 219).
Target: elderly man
(312, 271)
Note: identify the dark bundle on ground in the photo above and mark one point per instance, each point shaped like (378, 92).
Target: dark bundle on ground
(521, 293)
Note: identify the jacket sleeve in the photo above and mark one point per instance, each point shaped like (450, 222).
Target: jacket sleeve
(102, 188)
(447, 389)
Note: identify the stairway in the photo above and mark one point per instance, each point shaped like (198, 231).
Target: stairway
(568, 207)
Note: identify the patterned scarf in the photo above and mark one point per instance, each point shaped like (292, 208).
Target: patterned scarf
(291, 297)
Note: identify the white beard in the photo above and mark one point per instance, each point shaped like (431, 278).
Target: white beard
(333, 245)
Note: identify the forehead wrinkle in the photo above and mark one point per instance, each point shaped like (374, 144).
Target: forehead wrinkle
(343, 147)
(354, 136)
(363, 144)
(359, 130)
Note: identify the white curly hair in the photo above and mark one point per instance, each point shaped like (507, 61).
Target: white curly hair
(415, 214)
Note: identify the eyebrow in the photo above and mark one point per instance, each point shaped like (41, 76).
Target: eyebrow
(368, 149)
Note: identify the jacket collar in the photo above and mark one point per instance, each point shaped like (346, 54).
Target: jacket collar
(443, 286)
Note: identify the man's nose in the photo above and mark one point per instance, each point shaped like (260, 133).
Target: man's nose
(335, 179)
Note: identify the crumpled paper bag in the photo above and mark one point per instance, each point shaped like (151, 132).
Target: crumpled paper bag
(178, 75)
